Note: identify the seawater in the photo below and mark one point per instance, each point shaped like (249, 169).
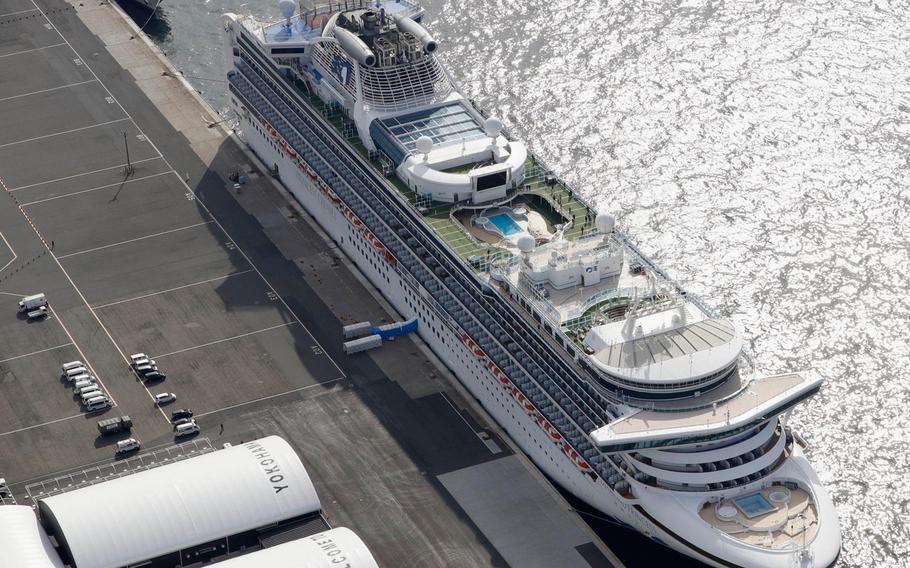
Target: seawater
(759, 151)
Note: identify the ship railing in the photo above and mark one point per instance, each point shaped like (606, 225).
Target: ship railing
(314, 14)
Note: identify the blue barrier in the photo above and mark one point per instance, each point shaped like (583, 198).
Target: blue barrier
(395, 329)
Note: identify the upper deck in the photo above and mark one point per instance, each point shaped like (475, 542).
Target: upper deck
(761, 400)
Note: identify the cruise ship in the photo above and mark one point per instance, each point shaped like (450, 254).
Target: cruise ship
(630, 393)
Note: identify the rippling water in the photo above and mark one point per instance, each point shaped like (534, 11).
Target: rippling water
(759, 151)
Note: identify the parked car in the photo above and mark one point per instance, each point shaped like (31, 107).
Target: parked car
(163, 398)
(137, 357)
(99, 403)
(71, 365)
(153, 376)
(127, 446)
(188, 429)
(182, 413)
(37, 313)
(143, 370)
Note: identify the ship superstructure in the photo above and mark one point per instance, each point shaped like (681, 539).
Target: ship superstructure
(629, 392)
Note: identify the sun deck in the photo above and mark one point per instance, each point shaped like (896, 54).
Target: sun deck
(762, 398)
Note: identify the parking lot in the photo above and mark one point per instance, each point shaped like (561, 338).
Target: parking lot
(130, 261)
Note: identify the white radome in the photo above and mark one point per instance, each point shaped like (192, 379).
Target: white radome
(605, 222)
(287, 8)
(424, 144)
(492, 126)
(526, 243)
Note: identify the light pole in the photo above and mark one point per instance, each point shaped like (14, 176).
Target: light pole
(129, 165)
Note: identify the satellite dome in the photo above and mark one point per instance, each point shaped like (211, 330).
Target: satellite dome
(604, 222)
(526, 243)
(492, 126)
(424, 144)
(287, 7)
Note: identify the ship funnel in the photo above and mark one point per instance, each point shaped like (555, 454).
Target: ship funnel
(406, 24)
(354, 47)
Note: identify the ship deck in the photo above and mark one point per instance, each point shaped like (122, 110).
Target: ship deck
(440, 215)
(659, 424)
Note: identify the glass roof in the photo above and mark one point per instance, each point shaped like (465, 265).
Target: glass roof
(444, 124)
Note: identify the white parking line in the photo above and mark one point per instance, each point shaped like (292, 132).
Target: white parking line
(124, 182)
(35, 352)
(33, 49)
(15, 256)
(17, 12)
(292, 391)
(61, 257)
(65, 132)
(210, 343)
(117, 167)
(40, 425)
(47, 90)
(225, 277)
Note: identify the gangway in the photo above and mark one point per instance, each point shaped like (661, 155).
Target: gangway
(396, 329)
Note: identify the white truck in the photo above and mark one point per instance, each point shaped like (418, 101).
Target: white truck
(33, 302)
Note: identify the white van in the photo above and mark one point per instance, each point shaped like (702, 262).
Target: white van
(90, 393)
(127, 446)
(82, 377)
(80, 386)
(187, 429)
(75, 372)
(72, 365)
(98, 403)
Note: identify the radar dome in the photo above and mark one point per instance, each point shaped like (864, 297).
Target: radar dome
(604, 222)
(287, 7)
(424, 144)
(526, 243)
(492, 126)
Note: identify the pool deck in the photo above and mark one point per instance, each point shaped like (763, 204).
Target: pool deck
(438, 215)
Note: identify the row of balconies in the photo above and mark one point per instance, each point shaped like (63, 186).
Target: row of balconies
(578, 438)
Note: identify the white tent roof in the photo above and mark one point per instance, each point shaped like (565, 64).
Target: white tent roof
(22, 540)
(172, 507)
(330, 549)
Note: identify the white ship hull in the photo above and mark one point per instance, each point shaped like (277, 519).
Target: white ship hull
(466, 365)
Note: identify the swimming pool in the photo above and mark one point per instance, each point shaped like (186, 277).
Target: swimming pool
(505, 224)
(754, 505)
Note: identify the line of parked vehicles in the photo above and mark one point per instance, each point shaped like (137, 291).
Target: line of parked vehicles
(94, 399)
(86, 387)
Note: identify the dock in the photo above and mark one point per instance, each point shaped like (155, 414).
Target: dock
(116, 203)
